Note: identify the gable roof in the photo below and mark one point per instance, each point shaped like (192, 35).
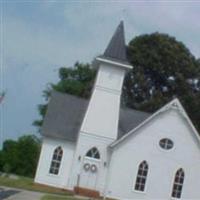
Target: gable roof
(129, 119)
(174, 104)
(65, 114)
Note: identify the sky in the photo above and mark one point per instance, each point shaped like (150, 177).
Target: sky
(38, 37)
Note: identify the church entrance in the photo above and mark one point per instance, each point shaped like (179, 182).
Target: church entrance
(89, 174)
(88, 177)
(89, 170)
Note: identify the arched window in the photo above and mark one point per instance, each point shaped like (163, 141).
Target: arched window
(178, 184)
(56, 161)
(93, 153)
(141, 176)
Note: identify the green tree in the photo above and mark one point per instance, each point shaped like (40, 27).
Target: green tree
(28, 154)
(163, 69)
(9, 156)
(20, 157)
(1, 161)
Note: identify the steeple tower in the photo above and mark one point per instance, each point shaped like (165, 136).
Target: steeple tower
(100, 125)
(102, 116)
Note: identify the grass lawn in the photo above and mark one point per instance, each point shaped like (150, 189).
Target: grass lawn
(28, 184)
(56, 197)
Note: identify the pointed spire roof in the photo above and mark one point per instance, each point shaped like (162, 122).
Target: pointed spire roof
(116, 49)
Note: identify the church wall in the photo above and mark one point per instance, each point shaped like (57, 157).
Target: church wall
(163, 164)
(42, 175)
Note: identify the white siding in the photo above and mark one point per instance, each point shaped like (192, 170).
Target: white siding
(144, 145)
(110, 77)
(62, 179)
(102, 115)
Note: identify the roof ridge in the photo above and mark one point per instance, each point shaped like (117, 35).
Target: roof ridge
(68, 94)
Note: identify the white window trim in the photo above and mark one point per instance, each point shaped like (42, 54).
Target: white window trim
(172, 183)
(52, 174)
(165, 150)
(146, 183)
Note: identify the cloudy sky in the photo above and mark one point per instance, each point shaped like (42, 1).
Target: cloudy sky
(38, 37)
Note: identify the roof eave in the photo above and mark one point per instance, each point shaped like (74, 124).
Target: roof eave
(116, 63)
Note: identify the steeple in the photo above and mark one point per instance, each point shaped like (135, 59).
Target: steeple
(116, 49)
(102, 116)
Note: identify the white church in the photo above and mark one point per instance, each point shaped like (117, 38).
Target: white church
(95, 148)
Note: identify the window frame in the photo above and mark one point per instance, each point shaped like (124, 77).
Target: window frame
(166, 149)
(175, 183)
(144, 177)
(93, 155)
(56, 161)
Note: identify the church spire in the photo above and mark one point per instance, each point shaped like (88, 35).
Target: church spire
(116, 49)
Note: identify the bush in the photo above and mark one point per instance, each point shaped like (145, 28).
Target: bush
(20, 157)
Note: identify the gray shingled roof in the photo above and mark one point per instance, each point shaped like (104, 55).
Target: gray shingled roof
(116, 49)
(65, 114)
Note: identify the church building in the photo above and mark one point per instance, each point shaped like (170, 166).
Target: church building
(96, 148)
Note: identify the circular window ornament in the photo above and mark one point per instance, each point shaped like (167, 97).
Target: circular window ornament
(93, 168)
(166, 144)
(86, 166)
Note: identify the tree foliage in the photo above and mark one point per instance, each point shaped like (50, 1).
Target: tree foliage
(163, 69)
(21, 156)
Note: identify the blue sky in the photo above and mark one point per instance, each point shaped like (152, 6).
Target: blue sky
(38, 37)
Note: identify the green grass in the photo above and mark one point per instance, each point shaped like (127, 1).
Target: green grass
(56, 197)
(28, 184)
